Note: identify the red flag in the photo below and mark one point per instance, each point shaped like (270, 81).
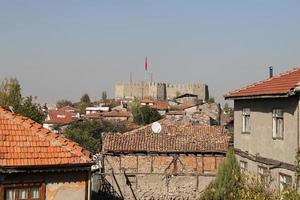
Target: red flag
(146, 64)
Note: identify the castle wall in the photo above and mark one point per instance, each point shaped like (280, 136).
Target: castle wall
(174, 90)
(159, 90)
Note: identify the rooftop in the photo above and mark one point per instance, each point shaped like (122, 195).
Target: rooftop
(175, 137)
(26, 143)
(60, 117)
(282, 85)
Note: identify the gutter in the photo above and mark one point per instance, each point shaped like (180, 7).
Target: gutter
(259, 96)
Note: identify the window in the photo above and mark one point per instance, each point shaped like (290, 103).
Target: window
(263, 175)
(24, 192)
(243, 165)
(277, 123)
(284, 181)
(246, 120)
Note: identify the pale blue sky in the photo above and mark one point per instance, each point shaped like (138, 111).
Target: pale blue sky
(62, 49)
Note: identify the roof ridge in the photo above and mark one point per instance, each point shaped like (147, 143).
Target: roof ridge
(263, 81)
(44, 133)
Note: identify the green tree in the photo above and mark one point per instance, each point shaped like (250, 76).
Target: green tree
(227, 182)
(145, 115)
(85, 99)
(10, 93)
(31, 109)
(63, 102)
(228, 178)
(226, 107)
(211, 99)
(88, 133)
(104, 96)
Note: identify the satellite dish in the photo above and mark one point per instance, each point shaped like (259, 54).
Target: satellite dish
(156, 127)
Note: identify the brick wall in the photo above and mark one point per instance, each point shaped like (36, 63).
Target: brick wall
(160, 176)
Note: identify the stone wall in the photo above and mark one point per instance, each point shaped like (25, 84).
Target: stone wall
(159, 90)
(160, 176)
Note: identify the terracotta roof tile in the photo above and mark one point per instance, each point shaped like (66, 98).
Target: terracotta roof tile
(69, 109)
(116, 114)
(282, 84)
(61, 117)
(174, 137)
(161, 105)
(26, 143)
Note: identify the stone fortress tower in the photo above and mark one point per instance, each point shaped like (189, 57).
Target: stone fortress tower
(159, 91)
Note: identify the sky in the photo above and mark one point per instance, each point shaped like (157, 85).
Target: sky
(63, 49)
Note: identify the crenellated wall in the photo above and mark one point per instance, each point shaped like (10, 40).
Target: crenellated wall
(159, 90)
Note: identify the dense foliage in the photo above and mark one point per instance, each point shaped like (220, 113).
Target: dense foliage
(231, 184)
(31, 110)
(11, 97)
(143, 115)
(88, 133)
(63, 102)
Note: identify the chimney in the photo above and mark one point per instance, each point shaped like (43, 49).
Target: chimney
(270, 72)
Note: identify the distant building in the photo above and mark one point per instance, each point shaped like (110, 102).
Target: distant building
(188, 99)
(91, 110)
(116, 115)
(159, 91)
(177, 163)
(38, 164)
(266, 127)
(58, 119)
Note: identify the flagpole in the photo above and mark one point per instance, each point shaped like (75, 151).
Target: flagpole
(146, 68)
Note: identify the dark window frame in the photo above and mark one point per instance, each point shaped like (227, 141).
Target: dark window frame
(275, 121)
(29, 186)
(246, 114)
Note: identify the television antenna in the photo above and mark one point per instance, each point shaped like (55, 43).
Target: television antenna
(156, 127)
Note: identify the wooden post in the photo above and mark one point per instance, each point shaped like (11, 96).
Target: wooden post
(203, 164)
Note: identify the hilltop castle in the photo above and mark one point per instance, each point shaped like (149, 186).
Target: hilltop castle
(160, 91)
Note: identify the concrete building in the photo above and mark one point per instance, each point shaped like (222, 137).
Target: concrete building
(266, 127)
(177, 163)
(38, 164)
(159, 91)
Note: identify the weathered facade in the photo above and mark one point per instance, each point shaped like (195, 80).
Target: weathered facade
(38, 164)
(266, 127)
(179, 162)
(160, 91)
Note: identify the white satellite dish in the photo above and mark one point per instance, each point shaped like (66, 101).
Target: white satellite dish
(156, 127)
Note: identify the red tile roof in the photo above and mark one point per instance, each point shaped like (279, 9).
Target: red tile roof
(283, 84)
(174, 137)
(69, 109)
(147, 101)
(116, 114)
(182, 107)
(24, 142)
(60, 117)
(161, 105)
(176, 112)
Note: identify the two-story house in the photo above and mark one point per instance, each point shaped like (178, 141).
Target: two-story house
(266, 127)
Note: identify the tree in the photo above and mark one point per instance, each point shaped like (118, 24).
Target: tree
(88, 133)
(104, 96)
(85, 99)
(63, 102)
(228, 177)
(227, 182)
(31, 109)
(145, 115)
(211, 100)
(10, 96)
(226, 107)
(10, 93)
